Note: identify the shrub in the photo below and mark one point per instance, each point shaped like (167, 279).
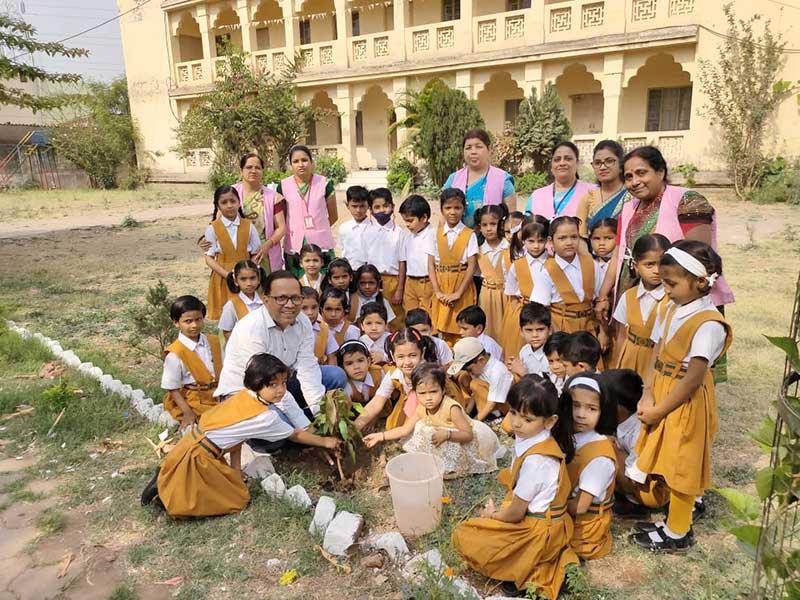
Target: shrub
(505, 151)
(151, 322)
(780, 182)
(688, 170)
(401, 172)
(542, 123)
(222, 174)
(525, 184)
(274, 176)
(331, 167)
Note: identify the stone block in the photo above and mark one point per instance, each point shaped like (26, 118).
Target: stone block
(323, 515)
(342, 533)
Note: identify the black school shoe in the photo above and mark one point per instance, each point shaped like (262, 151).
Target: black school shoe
(150, 492)
(698, 512)
(626, 509)
(510, 590)
(666, 544)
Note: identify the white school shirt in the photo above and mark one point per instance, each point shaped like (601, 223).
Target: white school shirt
(535, 264)
(415, 249)
(499, 378)
(545, 292)
(332, 345)
(267, 425)
(359, 386)
(352, 333)
(228, 318)
(390, 314)
(386, 388)
(648, 299)
(493, 254)
(294, 346)
(175, 374)
(378, 345)
(352, 240)
(709, 339)
(557, 381)
(538, 478)
(444, 355)
(534, 361)
(317, 285)
(603, 265)
(627, 436)
(232, 227)
(491, 346)
(598, 474)
(452, 233)
(384, 245)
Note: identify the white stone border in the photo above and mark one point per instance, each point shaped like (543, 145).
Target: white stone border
(139, 401)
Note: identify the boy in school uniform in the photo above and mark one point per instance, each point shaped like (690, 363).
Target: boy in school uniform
(483, 378)
(557, 372)
(418, 292)
(580, 353)
(384, 242)
(352, 233)
(535, 324)
(192, 364)
(472, 323)
(421, 321)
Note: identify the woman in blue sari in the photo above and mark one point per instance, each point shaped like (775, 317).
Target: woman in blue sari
(481, 182)
(606, 201)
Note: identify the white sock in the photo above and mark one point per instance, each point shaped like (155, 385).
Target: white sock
(656, 536)
(631, 499)
(698, 500)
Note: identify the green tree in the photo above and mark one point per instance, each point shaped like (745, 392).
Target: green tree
(18, 38)
(542, 123)
(743, 93)
(102, 138)
(247, 111)
(443, 118)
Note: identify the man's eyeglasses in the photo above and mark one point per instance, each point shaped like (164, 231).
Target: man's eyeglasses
(284, 300)
(609, 162)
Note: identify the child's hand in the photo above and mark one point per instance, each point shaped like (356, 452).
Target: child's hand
(188, 420)
(441, 297)
(204, 244)
(515, 365)
(650, 415)
(397, 297)
(488, 510)
(332, 443)
(440, 436)
(602, 337)
(377, 357)
(373, 439)
(601, 306)
(646, 400)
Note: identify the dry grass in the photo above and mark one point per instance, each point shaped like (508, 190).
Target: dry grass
(74, 286)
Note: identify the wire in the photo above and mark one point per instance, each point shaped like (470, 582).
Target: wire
(730, 37)
(785, 4)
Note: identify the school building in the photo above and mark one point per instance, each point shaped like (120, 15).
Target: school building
(624, 69)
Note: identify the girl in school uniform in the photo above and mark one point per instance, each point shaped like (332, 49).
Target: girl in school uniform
(529, 253)
(678, 407)
(592, 471)
(311, 261)
(311, 208)
(637, 308)
(493, 262)
(373, 321)
(334, 307)
(442, 428)
(368, 286)
(602, 241)
(451, 265)
(339, 275)
(526, 541)
(325, 345)
(569, 282)
(194, 480)
(232, 238)
(244, 283)
(363, 378)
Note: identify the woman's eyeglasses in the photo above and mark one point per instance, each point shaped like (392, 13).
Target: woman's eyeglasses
(608, 162)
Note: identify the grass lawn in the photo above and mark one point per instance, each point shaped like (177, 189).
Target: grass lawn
(75, 286)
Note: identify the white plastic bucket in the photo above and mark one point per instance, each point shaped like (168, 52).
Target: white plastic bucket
(415, 479)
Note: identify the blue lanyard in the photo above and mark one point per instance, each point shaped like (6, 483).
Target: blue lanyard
(565, 200)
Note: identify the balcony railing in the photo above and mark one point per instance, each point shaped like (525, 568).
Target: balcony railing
(502, 30)
(436, 38)
(199, 159)
(273, 60)
(376, 47)
(317, 56)
(671, 144)
(191, 72)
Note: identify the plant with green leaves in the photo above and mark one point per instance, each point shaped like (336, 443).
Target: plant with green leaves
(401, 173)
(506, 153)
(17, 40)
(541, 125)
(688, 170)
(744, 91)
(331, 167)
(151, 322)
(337, 418)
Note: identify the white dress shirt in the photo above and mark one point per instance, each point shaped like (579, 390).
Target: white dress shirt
(709, 339)
(627, 436)
(534, 361)
(257, 333)
(176, 374)
(452, 233)
(229, 318)
(499, 378)
(352, 333)
(494, 254)
(535, 265)
(352, 239)
(648, 299)
(332, 345)
(378, 345)
(267, 425)
(538, 478)
(444, 355)
(362, 387)
(415, 249)
(383, 244)
(545, 292)
(491, 346)
(317, 285)
(232, 227)
(362, 300)
(386, 388)
(598, 474)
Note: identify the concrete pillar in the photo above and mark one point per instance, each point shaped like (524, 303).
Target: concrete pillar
(534, 79)
(464, 82)
(466, 24)
(344, 31)
(209, 50)
(248, 32)
(290, 28)
(399, 89)
(612, 92)
(402, 19)
(345, 104)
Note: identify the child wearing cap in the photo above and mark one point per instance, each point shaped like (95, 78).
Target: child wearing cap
(483, 377)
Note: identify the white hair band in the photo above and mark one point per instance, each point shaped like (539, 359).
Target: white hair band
(516, 228)
(691, 264)
(587, 382)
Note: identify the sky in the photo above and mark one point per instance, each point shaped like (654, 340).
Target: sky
(57, 19)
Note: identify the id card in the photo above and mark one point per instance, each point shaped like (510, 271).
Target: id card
(309, 222)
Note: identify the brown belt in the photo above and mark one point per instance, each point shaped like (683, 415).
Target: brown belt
(674, 371)
(551, 513)
(418, 277)
(571, 314)
(493, 285)
(450, 268)
(206, 443)
(640, 341)
(201, 387)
